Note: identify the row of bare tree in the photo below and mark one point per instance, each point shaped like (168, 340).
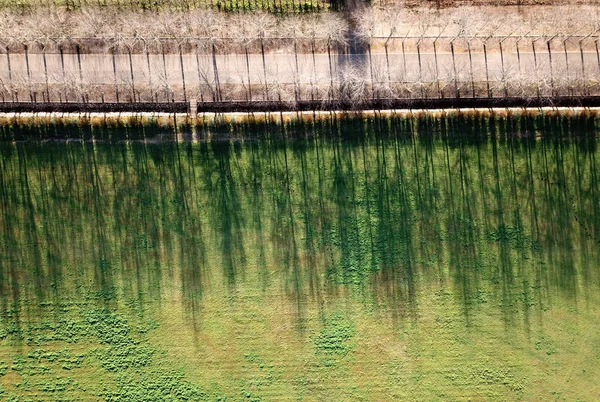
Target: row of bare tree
(323, 70)
(275, 6)
(44, 24)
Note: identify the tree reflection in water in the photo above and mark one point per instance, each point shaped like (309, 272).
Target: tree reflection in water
(383, 214)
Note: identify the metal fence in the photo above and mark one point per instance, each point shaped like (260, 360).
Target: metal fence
(295, 70)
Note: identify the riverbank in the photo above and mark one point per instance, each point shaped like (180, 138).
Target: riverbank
(194, 107)
(555, 122)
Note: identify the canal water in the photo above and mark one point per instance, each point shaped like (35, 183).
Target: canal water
(373, 268)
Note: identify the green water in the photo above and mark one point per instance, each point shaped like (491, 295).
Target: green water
(320, 269)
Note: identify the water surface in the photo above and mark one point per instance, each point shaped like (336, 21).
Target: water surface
(320, 269)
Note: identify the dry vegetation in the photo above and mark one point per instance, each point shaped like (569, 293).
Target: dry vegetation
(501, 41)
(113, 23)
(94, 22)
(480, 21)
(276, 6)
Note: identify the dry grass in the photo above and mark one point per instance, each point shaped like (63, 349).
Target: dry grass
(469, 21)
(55, 23)
(41, 25)
(111, 30)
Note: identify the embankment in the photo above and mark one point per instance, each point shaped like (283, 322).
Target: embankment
(469, 123)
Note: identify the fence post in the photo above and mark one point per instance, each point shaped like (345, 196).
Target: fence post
(535, 65)
(114, 63)
(46, 73)
(437, 74)
(149, 74)
(597, 54)
(312, 89)
(162, 50)
(330, 69)
(262, 52)
(404, 65)
(131, 73)
(249, 92)
(79, 61)
(216, 73)
(31, 97)
(420, 69)
(503, 72)
(471, 68)
(77, 50)
(567, 65)
(487, 77)
(199, 74)
(387, 60)
(586, 88)
(371, 72)
(296, 79)
(551, 72)
(456, 88)
(182, 73)
(518, 56)
(9, 66)
(62, 64)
